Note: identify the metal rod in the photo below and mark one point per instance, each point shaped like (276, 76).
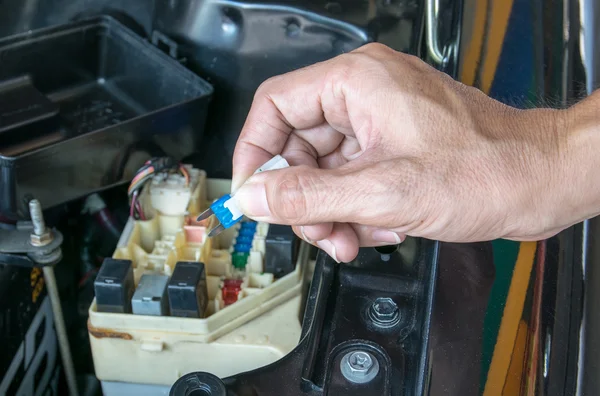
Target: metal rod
(61, 331)
(431, 34)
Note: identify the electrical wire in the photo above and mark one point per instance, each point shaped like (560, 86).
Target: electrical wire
(151, 168)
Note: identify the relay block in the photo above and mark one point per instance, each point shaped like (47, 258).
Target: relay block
(179, 301)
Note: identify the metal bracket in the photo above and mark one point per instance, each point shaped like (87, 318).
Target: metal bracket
(16, 248)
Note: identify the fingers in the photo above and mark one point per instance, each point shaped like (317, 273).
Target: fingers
(305, 99)
(281, 105)
(341, 243)
(342, 240)
(302, 196)
(309, 102)
(380, 194)
(369, 236)
(313, 233)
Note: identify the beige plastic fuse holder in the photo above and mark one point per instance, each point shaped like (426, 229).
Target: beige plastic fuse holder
(262, 326)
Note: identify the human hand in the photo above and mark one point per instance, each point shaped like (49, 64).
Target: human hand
(386, 146)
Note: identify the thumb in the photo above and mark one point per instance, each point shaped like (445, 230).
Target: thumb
(301, 195)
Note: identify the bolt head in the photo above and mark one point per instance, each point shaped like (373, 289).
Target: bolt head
(384, 312)
(360, 363)
(385, 308)
(359, 367)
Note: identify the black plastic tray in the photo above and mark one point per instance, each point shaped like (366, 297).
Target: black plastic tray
(83, 105)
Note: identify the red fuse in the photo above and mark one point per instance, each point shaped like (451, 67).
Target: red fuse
(231, 290)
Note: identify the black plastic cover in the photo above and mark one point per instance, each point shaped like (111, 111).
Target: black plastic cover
(281, 250)
(21, 104)
(113, 99)
(114, 286)
(188, 295)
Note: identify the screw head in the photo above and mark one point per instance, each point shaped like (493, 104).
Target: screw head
(384, 312)
(359, 367)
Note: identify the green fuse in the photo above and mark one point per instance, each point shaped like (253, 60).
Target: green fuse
(239, 259)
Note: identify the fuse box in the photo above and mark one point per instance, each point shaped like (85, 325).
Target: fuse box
(194, 296)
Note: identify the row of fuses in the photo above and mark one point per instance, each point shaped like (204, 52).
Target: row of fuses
(269, 248)
(250, 237)
(183, 294)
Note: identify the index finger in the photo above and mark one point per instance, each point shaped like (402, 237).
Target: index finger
(281, 105)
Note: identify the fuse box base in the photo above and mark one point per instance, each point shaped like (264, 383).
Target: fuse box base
(259, 328)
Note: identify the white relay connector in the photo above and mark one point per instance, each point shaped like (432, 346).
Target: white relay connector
(169, 193)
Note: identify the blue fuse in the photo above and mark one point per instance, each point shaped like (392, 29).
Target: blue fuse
(242, 248)
(225, 208)
(244, 239)
(246, 232)
(249, 225)
(226, 211)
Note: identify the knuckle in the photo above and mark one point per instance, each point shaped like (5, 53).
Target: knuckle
(292, 204)
(377, 49)
(265, 88)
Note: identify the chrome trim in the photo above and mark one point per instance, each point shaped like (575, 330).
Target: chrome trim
(438, 55)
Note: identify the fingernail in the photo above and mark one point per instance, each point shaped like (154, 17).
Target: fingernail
(252, 200)
(329, 248)
(307, 239)
(234, 185)
(386, 236)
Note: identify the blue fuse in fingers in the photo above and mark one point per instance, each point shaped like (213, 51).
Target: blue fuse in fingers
(225, 208)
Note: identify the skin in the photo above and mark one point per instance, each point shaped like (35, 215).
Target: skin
(383, 146)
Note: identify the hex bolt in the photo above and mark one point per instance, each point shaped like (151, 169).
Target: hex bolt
(37, 217)
(384, 312)
(359, 367)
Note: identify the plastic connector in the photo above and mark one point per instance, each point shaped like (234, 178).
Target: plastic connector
(150, 297)
(188, 296)
(170, 194)
(281, 250)
(114, 286)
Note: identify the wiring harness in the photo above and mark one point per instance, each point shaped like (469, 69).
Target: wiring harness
(150, 169)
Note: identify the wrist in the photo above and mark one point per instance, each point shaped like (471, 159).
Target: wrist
(581, 170)
(564, 187)
(540, 171)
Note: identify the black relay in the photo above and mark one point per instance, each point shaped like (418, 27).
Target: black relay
(188, 296)
(281, 250)
(114, 286)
